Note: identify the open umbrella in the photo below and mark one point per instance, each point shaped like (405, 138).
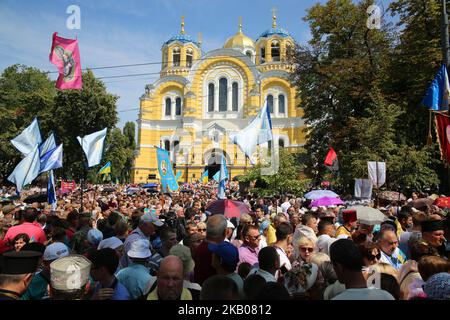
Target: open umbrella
(421, 203)
(317, 194)
(326, 201)
(368, 215)
(150, 185)
(443, 202)
(38, 197)
(392, 196)
(229, 208)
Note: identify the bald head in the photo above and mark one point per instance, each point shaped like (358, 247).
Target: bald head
(170, 278)
(216, 228)
(388, 241)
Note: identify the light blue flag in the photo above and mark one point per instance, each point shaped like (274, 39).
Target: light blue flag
(216, 176)
(223, 175)
(48, 145)
(258, 131)
(51, 194)
(28, 138)
(437, 94)
(92, 145)
(52, 159)
(168, 180)
(27, 169)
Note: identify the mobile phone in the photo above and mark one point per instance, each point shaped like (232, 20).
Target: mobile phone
(283, 269)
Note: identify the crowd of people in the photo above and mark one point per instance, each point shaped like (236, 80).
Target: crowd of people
(123, 242)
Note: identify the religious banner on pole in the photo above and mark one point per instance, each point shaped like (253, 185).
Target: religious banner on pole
(68, 185)
(66, 56)
(363, 188)
(443, 133)
(377, 172)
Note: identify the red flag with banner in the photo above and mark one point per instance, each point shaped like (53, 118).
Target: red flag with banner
(68, 185)
(66, 56)
(443, 133)
(331, 160)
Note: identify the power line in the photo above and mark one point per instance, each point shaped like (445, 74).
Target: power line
(155, 63)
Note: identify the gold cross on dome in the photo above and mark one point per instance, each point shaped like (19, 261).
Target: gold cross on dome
(274, 17)
(240, 24)
(182, 25)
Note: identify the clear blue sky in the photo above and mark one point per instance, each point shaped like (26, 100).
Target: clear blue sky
(133, 31)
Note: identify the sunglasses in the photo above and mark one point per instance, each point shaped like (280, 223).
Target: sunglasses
(201, 230)
(307, 249)
(372, 257)
(255, 237)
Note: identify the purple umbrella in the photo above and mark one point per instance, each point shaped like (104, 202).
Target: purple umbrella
(326, 201)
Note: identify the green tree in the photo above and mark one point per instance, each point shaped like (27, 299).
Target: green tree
(78, 113)
(413, 64)
(25, 93)
(129, 131)
(116, 152)
(286, 180)
(335, 75)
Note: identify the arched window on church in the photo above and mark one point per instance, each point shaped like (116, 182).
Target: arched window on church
(289, 51)
(280, 143)
(270, 103)
(168, 108)
(176, 57)
(176, 144)
(164, 59)
(263, 55)
(281, 104)
(235, 99)
(248, 53)
(189, 55)
(211, 97)
(275, 51)
(178, 106)
(223, 94)
(167, 145)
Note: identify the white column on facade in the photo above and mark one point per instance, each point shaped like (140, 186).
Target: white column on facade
(216, 98)
(229, 97)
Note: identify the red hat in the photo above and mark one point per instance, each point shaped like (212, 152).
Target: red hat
(349, 216)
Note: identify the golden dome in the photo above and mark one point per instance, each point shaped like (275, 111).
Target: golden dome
(239, 40)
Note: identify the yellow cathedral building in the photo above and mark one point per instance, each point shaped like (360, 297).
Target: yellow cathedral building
(202, 97)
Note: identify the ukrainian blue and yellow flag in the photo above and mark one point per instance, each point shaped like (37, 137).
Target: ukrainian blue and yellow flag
(105, 169)
(168, 179)
(204, 177)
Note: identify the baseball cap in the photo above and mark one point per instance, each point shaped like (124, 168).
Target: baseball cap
(70, 272)
(184, 253)
(228, 252)
(112, 242)
(55, 250)
(230, 224)
(263, 226)
(153, 218)
(94, 236)
(140, 249)
(20, 262)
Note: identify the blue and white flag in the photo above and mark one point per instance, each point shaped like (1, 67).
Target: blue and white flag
(52, 159)
(259, 131)
(48, 145)
(216, 176)
(223, 175)
(27, 169)
(437, 94)
(168, 179)
(92, 145)
(28, 138)
(51, 194)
